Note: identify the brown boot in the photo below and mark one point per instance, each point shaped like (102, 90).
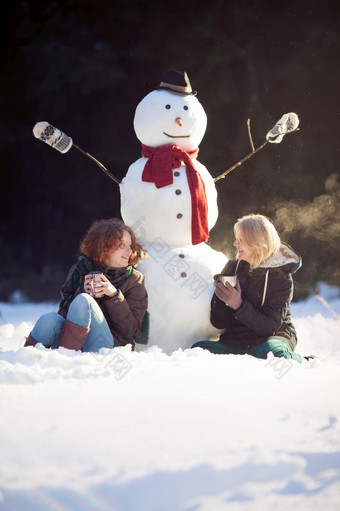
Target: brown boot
(73, 336)
(30, 341)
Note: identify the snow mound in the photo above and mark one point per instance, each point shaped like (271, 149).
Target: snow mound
(187, 431)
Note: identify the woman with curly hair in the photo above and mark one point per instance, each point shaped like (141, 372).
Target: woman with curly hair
(103, 299)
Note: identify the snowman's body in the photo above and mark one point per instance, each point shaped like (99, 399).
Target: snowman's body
(178, 274)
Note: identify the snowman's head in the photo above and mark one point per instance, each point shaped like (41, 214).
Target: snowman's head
(164, 118)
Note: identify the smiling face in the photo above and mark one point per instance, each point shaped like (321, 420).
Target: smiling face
(119, 257)
(244, 252)
(166, 118)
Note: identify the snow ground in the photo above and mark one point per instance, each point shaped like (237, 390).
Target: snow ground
(191, 431)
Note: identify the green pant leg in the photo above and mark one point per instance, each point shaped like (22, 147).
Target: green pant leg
(278, 347)
(218, 348)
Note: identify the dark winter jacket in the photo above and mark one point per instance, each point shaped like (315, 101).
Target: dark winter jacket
(123, 312)
(266, 293)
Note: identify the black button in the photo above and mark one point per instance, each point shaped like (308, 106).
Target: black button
(181, 255)
(183, 274)
(177, 173)
(179, 215)
(178, 192)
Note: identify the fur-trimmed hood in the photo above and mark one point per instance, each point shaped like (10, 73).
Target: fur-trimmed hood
(286, 259)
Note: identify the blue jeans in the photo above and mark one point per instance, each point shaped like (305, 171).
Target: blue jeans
(276, 346)
(83, 311)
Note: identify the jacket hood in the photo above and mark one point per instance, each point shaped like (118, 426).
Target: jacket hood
(286, 258)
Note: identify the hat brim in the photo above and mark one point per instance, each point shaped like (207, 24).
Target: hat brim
(178, 90)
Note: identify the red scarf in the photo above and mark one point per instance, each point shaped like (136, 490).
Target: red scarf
(158, 170)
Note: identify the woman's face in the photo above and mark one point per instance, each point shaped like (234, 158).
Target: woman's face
(119, 257)
(244, 253)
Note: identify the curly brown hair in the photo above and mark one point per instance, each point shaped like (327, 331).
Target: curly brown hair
(105, 235)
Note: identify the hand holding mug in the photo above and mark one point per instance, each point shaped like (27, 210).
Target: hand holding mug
(97, 285)
(228, 289)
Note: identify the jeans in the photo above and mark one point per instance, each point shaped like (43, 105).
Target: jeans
(84, 311)
(276, 346)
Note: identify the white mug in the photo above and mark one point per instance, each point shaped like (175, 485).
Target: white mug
(231, 279)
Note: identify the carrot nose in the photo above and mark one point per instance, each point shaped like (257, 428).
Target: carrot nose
(179, 121)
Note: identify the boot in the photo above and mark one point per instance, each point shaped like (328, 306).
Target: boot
(73, 336)
(30, 341)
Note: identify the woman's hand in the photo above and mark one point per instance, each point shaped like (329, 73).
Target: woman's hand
(230, 295)
(100, 288)
(87, 284)
(107, 288)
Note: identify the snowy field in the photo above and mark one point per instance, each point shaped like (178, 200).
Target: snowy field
(191, 431)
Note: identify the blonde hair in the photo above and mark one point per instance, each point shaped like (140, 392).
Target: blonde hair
(259, 236)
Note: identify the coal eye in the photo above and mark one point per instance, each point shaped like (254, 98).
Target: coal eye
(186, 107)
(168, 107)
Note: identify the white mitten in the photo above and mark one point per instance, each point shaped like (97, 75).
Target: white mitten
(287, 123)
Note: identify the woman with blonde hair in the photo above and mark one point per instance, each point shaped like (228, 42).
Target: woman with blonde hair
(103, 299)
(255, 314)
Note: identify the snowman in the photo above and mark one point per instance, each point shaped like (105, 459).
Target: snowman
(169, 199)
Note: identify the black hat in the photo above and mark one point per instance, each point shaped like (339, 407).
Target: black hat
(176, 81)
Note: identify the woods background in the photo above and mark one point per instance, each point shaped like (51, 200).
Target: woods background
(84, 66)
